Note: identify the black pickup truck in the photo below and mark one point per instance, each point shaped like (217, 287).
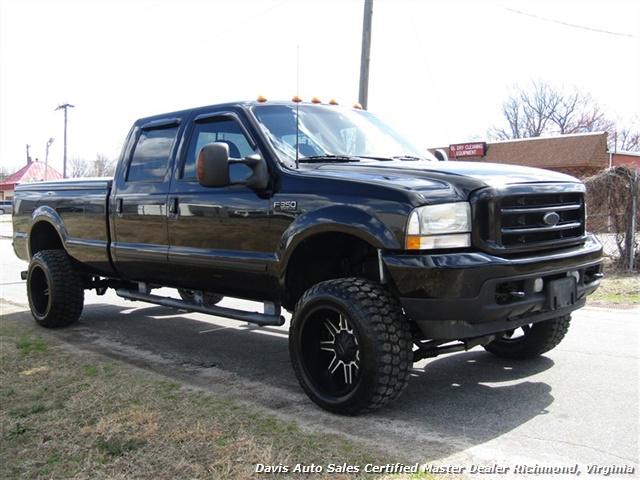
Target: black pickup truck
(383, 254)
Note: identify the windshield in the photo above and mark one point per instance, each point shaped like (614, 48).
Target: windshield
(325, 133)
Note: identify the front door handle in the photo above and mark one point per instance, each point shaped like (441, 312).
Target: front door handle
(119, 206)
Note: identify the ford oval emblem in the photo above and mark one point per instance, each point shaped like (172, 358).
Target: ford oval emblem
(551, 219)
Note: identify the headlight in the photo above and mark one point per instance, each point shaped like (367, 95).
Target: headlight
(439, 226)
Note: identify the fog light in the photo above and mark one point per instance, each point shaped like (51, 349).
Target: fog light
(538, 285)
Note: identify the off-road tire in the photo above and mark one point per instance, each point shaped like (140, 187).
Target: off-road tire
(350, 345)
(535, 340)
(54, 288)
(208, 299)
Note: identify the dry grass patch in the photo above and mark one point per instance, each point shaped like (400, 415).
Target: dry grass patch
(617, 290)
(67, 414)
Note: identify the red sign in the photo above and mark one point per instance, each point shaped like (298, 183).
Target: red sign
(476, 149)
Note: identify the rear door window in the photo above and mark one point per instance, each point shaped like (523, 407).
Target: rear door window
(152, 155)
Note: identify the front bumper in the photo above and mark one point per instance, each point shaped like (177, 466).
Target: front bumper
(465, 295)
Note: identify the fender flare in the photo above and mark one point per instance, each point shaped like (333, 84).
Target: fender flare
(45, 213)
(346, 219)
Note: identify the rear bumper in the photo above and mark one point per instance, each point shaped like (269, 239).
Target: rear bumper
(465, 295)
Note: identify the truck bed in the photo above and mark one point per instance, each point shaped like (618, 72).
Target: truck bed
(75, 209)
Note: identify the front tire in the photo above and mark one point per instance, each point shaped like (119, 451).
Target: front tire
(54, 288)
(350, 345)
(530, 341)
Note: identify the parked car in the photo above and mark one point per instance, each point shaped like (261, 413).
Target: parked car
(6, 206)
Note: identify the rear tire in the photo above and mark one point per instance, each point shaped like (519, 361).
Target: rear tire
(350, 345)
(531, 341)
(54, 288)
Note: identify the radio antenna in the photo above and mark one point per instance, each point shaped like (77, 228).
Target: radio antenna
(297, 100)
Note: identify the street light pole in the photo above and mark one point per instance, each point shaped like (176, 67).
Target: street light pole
(46, 158)
(65, 107)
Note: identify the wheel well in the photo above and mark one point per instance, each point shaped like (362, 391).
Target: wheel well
(44, 236)
(325, 257)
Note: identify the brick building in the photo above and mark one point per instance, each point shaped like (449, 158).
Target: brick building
(625, 158)
(580, 155)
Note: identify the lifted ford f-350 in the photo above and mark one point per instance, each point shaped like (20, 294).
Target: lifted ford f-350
(383, 255)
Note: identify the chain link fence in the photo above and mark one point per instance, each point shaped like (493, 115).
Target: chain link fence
(613, 206)
(617, 246)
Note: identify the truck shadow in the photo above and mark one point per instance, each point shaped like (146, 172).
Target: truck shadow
(452, 402)
(476, 396)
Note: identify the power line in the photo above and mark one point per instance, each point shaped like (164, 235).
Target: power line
(608, 32)
(242, 22)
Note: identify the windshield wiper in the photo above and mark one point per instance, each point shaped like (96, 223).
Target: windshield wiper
(407, 158)
(328, 158)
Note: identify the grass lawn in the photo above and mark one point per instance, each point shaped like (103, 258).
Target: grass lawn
(617, 290)
(74, 414)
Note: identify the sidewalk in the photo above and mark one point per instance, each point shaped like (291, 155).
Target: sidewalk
(6, 229)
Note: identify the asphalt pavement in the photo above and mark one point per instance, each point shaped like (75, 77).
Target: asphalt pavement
(577, 407)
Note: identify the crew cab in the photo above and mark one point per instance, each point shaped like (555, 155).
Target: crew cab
(382, 254)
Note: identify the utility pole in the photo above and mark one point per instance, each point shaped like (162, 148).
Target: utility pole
(363, 95)
(65, 107)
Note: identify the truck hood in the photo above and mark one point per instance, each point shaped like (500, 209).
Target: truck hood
(440, 177)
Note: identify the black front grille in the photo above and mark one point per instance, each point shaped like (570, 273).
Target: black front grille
(529, 218)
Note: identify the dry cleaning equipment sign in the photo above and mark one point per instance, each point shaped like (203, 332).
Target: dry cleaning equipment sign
(476, 149)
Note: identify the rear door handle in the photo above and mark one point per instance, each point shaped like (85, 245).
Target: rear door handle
(119, 206)
(174, 207)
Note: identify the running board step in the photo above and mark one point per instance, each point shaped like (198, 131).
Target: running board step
(273, 318)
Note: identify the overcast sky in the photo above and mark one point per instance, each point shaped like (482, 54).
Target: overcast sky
(440, 70)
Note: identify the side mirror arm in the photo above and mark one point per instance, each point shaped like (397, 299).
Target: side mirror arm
(259, 179)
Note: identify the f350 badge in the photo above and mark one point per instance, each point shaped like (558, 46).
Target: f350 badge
(285, 205)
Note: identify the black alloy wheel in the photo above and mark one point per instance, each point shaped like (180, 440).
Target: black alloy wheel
(350, 345)
(54, 289)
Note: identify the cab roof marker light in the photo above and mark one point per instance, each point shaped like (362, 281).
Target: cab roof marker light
(296, 99)
(357, 106)
(315, 100)
(261, 99)
(333, 102)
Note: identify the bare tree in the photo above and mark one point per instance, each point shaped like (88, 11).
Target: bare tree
(5, 172)
(529, 113)
(626, 138)
(540, 106)
(79, 167)
(103, 166)
(542, 109)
